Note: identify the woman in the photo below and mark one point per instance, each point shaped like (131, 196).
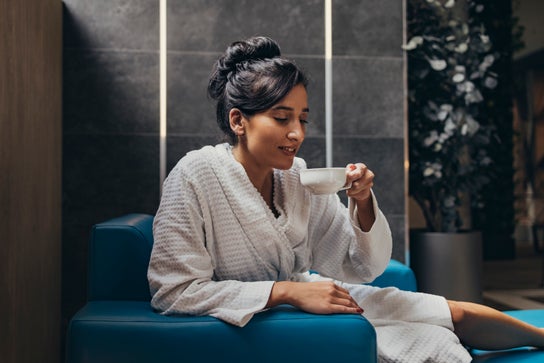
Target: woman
(236, 233)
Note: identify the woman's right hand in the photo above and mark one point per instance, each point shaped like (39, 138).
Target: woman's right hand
(321, 297)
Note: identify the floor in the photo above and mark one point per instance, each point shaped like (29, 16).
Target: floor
(515, 284)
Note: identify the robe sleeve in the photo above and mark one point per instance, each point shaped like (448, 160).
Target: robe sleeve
(340, 249)
(181, 270)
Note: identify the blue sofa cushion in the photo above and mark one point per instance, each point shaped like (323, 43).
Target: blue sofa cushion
(129, 331)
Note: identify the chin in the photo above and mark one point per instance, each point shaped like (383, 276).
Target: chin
(285, 165)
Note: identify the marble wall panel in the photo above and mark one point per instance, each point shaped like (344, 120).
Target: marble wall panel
(314, 68)
(368, 97)
(397, 223)
(110, 124)
(189, 108)
(368, 100)
(178, 145)
(115, 173)
(384, 157)
(211, 25)
(111, 24)
(371, 28)
(104, 176)
(110, 92)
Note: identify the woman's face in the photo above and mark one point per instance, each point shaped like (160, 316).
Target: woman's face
(272, 138)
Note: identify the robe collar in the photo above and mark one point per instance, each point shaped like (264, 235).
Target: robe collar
(268, 235)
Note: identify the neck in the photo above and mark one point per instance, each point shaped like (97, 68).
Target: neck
(260, 177)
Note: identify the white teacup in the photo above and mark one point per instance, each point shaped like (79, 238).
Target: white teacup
(324, 180)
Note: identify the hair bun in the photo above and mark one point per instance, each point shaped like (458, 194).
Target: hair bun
(237, 56)
(255, 48)
(252, 49)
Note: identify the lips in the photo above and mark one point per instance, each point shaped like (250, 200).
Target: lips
(291, 151)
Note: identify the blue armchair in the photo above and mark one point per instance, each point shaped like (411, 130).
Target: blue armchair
(118, 324)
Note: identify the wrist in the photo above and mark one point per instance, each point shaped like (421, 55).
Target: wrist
(365, 213)
(364, 203)
(279, 293)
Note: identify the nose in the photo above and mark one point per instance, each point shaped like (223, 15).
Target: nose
(296, 132)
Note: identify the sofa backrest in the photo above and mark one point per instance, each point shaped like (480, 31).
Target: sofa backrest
(118, 258)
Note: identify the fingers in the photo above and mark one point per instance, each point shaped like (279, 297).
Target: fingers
(342, 302)
(324, 297)
(346, 306)
(359, 172)
(362, 180)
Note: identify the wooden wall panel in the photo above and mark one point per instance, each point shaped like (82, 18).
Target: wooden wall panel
(30, 179)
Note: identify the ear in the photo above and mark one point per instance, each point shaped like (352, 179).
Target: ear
(236, 120)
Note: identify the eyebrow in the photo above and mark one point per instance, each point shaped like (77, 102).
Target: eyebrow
(289, 108)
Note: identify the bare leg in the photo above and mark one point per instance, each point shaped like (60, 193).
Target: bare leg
(482, 327)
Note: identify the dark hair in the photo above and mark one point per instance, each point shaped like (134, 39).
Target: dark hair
(251, 76)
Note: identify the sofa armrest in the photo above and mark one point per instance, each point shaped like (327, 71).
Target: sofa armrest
(118, 258)
(125, 331)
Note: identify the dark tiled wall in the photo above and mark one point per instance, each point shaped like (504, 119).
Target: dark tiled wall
(111, 99)
(368, 92)
(200, 30)
(110, 124)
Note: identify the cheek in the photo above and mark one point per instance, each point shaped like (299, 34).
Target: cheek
(257, 142)
(266, 135)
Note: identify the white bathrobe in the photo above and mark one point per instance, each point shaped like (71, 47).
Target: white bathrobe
(219, 248)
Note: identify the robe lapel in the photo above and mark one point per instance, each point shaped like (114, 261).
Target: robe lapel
(251, 211)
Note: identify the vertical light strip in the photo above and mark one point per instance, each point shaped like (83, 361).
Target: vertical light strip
(406, 136)
(162, 92)
(328, 83)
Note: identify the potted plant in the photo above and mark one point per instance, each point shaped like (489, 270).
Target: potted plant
(449, 61)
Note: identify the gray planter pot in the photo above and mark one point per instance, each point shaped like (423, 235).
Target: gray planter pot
(448, 264)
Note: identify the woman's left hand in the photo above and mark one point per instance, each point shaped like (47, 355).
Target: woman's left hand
(361, 179)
